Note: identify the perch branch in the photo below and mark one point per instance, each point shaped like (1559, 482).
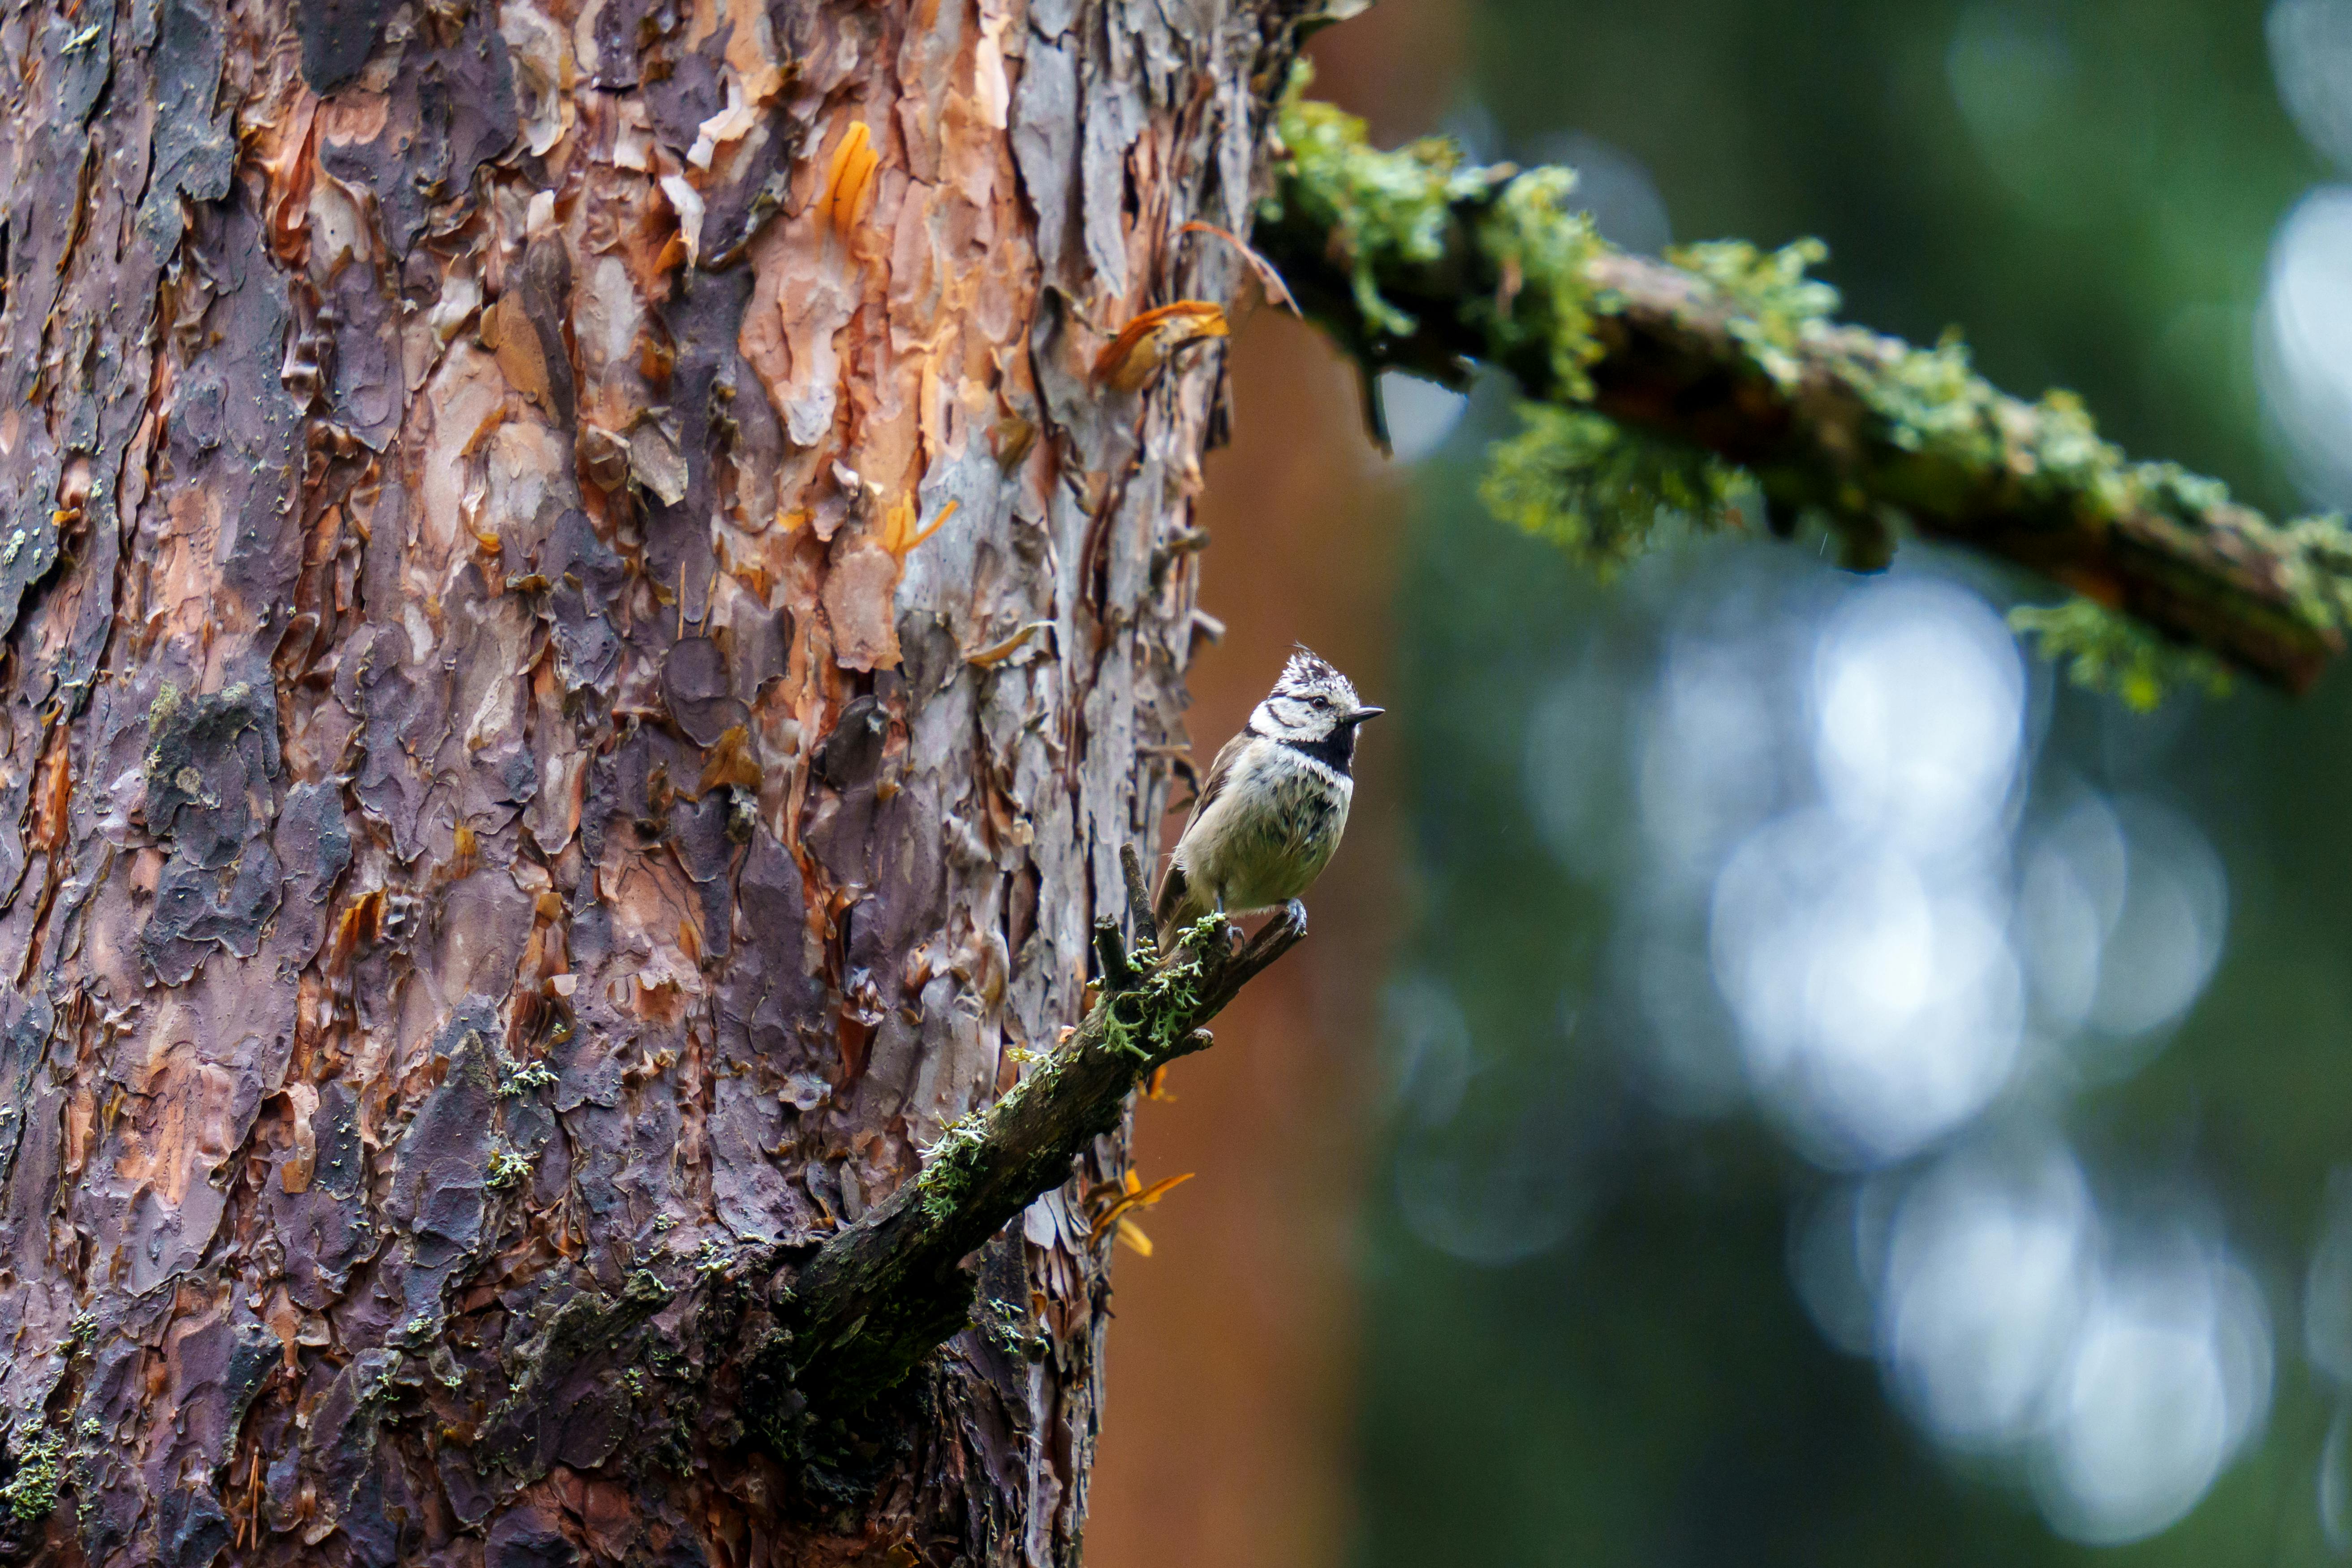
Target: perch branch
(880, 1295)
(1416, 262)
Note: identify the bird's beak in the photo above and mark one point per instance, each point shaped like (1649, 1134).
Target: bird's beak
(1361, 715)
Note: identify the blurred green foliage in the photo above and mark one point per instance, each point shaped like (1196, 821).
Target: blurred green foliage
(2090, 189)
(2105, 651)
(1596, 489)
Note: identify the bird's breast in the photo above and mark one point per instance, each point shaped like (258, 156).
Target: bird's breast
(1287, 818)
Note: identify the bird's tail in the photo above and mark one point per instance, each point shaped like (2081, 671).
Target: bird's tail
(1177, 906)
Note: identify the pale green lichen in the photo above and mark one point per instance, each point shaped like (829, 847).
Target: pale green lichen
(524, 1077)
(1543, 249)
(1391, 211)
(1570, 476)
(1148, 1022)
(1380, 208)
(953, 1163)
(1597, 489)
(2063, 453)
(2110, 653)
(2323, 547)
(1934, 398)
(509, 1168)
(1924, 400)
(1774, 304)
(36, 1467)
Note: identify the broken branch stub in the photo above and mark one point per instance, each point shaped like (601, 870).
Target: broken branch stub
(880, 1295)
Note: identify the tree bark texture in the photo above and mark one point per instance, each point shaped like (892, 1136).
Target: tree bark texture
(582, 637)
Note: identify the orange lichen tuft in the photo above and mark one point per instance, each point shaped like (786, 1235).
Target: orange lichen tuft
(847, 178)
(1148, 343)
(899, 534)
(1125, 1197)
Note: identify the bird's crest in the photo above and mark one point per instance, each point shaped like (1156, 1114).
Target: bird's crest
(1307, 670)
(1310, 701)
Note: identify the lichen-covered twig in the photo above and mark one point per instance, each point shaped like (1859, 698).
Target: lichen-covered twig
(1416, 261)
(882, 1294)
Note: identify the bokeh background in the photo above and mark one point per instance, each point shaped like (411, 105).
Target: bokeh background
(1779, 1077)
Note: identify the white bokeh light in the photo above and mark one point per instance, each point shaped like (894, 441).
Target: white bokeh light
(2327, 1286)
(2169, 1378)
(1574, 765)
(1429, 1040)
(1988, 1275)
(2009, 74)
(1493, 1203)
(2142, 1437)
(1918, 952)
(1879, 1007)
(1860, 943)
(2335, 1481)
(1920, 703)
(2167, 935)
(2124, 1373)
(2311, 54)
(2057, 124)
(1490, 1200)
(2070, 894)
(2303, 341)
(2121, 909)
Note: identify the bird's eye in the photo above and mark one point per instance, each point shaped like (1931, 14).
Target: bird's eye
(1318, 702)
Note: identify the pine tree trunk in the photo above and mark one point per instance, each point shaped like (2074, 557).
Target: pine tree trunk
(583, 633)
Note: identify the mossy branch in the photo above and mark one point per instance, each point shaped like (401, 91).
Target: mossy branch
(1416, 261)
(880, 1295)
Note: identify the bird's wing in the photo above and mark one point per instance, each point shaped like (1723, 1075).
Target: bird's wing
(1221, 773)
